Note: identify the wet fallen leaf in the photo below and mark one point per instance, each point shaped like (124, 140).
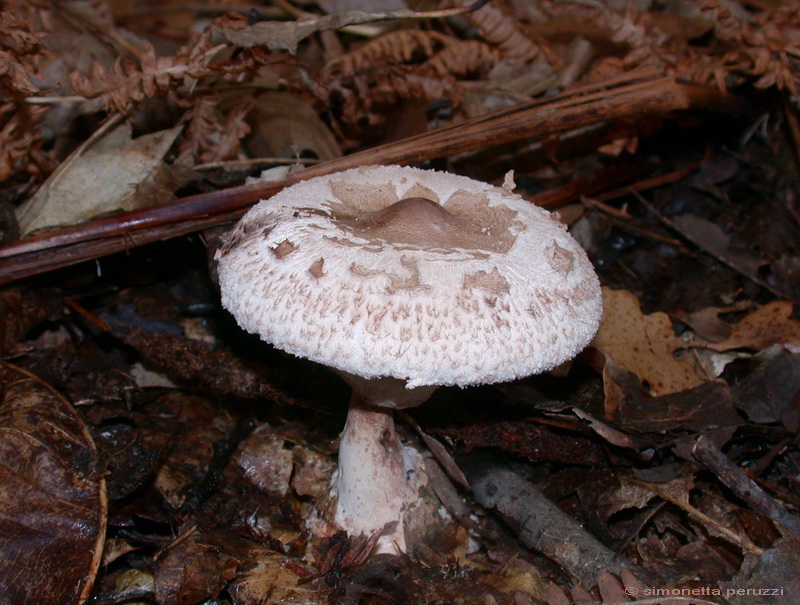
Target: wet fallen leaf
(20, 311)
(192, 428)
(611, 589)
(52, 496)
(643, 344)
(109, 172)
(556, 596)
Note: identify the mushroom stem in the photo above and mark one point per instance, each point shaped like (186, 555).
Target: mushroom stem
(378, 478)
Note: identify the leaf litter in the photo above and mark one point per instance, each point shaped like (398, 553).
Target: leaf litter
(669, 445)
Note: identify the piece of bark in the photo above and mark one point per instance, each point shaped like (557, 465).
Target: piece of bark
(542, 526)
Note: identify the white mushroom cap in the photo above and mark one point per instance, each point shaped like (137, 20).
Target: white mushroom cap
(483, 287)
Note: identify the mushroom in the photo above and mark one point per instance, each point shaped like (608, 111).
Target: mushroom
(403, 280)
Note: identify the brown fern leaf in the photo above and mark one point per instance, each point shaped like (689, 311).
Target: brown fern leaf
(406, 64)
(202, 133)
(366, 96)
(501, 30)
(761, 49)
(128, 82)
(413, 85)
(20, 51)
(392, 48)
(464, 57)
(20, 143)
(235, 129)
(631, 29)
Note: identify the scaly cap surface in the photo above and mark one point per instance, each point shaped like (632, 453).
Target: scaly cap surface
(480, 287)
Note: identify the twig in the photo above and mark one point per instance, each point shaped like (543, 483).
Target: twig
(632, 95)
(542, 526)
(248, 163)
(709, 455)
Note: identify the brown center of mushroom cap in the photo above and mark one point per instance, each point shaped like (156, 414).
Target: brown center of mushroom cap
(416, 221)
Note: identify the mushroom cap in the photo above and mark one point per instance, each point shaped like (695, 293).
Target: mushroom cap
(479, 287)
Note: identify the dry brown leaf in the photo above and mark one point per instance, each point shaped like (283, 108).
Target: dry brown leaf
(52, 497)
(766, 326)
(643, 344)
(606, 431)
(700, 408)
(107, 173)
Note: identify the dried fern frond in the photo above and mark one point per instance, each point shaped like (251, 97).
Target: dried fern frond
(21, 50)
(234, 130)
(413, 85)
(405, 64)
(463, 57)
(767, 49)
(501, 31)
(204, 126)
(129, 82)
(366, 96)
(20, 142)
(392, 48)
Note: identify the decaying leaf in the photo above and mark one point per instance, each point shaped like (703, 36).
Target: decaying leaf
(52, 496)
(266, 462)
(109, 172)
(643, 344)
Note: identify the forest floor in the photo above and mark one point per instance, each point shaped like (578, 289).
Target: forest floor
(152, 452)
